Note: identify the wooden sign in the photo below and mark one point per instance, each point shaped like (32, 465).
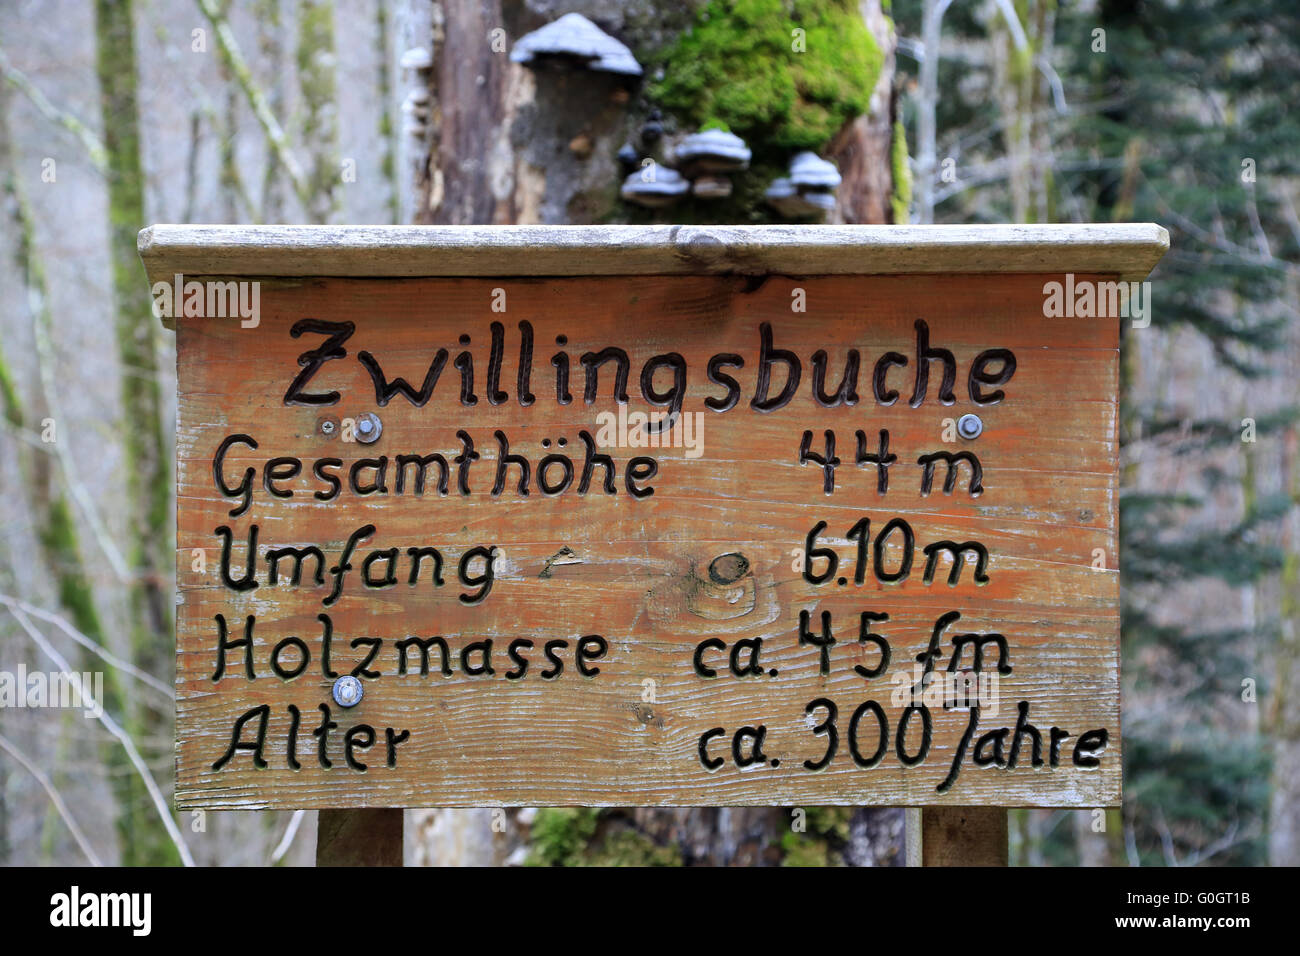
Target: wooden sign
(668, 516)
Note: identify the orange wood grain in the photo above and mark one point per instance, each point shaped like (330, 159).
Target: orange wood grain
(636, 571)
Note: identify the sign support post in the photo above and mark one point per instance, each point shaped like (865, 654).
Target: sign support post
(957, 836)
(359, 837)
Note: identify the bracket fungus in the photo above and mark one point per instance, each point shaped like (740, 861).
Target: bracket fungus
(713, 151)
(711, 187)
(789, 201)
(810, 171)
(415, 110)
(808, 191)
(416, 58)
(655, 187)
(415, 107)
(574, 40)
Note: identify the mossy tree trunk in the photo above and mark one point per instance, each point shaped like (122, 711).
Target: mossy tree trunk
(877, 185)
(1284, 709)
(270, 43)
(510, 145)
(386, 129)
(319, 121)
(146, 450)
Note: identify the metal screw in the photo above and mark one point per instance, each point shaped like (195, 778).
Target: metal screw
(970, 426)
(347, 691)
(369, 428)
(328, 427)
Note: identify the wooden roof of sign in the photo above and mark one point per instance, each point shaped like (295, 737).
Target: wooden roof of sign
(871, 558)
(1124, 249)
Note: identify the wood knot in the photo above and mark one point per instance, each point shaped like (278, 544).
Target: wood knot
(728, 592)
(728, 568)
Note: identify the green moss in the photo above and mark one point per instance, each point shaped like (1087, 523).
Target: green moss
(822, 840)
(59, 537)
(1021, 65)
(319, 121)
(831, 822)
(630, 848)
(901, 200)
(743, 66)
(570, 836)
(13, 406)
(145, 447)
(560, 835)
(804, 850)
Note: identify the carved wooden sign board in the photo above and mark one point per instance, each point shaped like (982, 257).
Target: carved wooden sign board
(647, 516)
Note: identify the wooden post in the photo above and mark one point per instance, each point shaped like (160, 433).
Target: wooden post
(359, 838)
(957, 836)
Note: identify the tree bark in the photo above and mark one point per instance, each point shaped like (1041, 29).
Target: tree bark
(862, 150)
(1284, 810)
(319, 122)
(147, 451)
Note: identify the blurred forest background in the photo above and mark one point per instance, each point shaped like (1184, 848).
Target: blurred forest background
(114, 115)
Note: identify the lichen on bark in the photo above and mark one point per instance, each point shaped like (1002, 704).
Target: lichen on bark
(319, 110)
(901, 198)
(147, 452)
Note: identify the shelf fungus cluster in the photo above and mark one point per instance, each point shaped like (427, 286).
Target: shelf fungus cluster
(704, 164)
(417, 62)
(575, 42)
(809, 189)
(701, 164)
(655, 186)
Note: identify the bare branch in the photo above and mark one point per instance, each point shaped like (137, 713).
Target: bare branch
(238, 67)
(1166, 839)
(1257, 227)
(1217, 239)
(286, 841)
(1054, 80)
(64, 625)
(41, 331)
(59, 117)
(55, 797)
(114, 728)
(1008, 11)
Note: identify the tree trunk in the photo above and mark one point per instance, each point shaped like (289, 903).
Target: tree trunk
(1284, 812)
(319, 123)
(147, 453)
(863, 149)
(270, 44)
